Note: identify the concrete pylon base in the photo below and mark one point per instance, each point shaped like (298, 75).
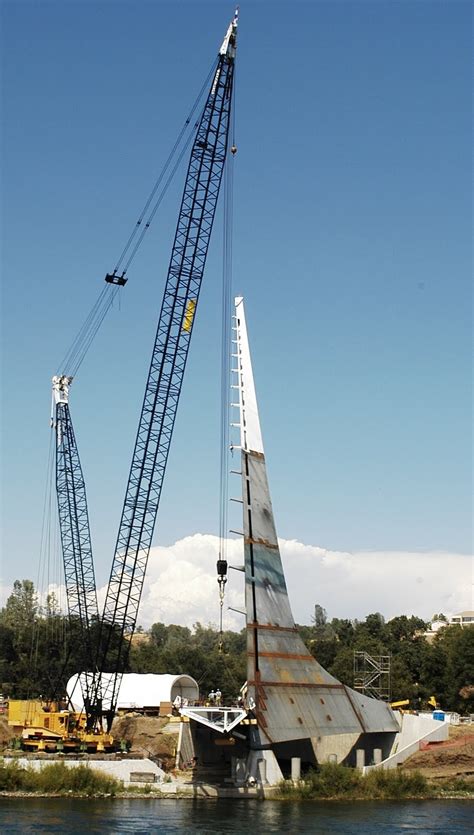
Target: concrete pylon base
(263, 769)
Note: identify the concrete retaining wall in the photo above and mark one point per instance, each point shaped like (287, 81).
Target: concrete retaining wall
(414, 731)
(142, 771)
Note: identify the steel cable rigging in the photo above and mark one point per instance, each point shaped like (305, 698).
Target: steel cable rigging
(159, 180)
(225, 373)
(77, 351)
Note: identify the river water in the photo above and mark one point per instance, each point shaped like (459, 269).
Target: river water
(196, 817)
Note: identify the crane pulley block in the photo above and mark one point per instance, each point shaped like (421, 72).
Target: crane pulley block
(222, 568)
(113, 278)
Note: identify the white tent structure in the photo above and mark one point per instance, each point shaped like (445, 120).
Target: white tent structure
(138, 691)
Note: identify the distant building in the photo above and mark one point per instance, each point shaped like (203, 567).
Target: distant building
(435, 626)
(460, 619)
(463, 619)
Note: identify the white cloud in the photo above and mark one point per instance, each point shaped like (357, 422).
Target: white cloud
(181, 585)
(394, 583)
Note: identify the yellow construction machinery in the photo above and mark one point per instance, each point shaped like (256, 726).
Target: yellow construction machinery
(43, 726)
(403, 705)
(400, 705)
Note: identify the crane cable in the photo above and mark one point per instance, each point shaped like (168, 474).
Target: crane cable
(158, 182)
(225, 375)
(75, 355)
(48, 623)
(80, 346)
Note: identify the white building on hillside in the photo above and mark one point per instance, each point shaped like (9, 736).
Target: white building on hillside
(463, 619)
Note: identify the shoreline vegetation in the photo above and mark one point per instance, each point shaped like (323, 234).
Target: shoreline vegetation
(338, 782)
(57, 779)
(329, 782)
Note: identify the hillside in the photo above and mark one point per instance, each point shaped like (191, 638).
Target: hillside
(451, 759)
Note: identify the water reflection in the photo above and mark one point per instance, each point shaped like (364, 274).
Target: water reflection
(201, 817)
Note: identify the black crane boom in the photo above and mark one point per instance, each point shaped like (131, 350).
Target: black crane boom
(74, 527)
(163, 387)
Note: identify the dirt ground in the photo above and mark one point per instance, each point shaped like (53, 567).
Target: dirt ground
(6, 733)
(447, 760)
(153, 737)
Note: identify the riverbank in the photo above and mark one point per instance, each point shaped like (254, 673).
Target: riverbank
(448, 760)
(439, 771)
(330, 782)
(336, 782)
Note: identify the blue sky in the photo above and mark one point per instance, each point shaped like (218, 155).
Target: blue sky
(351, 247)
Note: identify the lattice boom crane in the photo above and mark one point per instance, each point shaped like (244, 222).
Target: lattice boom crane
(163, 387)
(74, 525)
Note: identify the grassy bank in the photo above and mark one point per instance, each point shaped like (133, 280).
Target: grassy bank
(57, 778)
(333, 781)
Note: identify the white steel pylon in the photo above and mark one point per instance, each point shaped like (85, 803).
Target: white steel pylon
(293, 696)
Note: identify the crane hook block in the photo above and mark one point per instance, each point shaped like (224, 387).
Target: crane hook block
(233, 150)
(113, 278)
(221, 568)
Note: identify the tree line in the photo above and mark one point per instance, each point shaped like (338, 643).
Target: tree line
(40, 650)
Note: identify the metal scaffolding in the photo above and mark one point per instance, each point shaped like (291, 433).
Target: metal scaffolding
(372, 675)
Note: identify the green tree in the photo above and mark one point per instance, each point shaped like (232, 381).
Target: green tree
(177, 649)
(374, 627)
(403, 628)
(402, 685)
(8, 659)
(158, 634)
(19, 613)
(344, 631)
(343, 666)
(434, 672)
(458, 645)
(320, 617)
